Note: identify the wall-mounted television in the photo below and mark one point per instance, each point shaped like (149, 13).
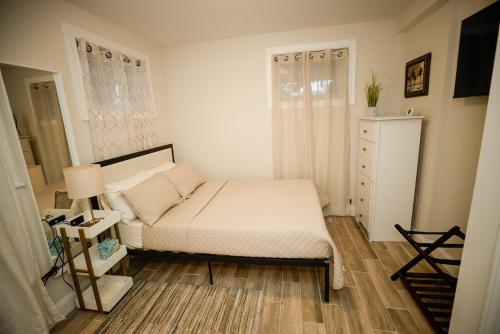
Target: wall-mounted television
(478, 41)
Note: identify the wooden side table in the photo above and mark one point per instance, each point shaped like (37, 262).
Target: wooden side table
(105, 290)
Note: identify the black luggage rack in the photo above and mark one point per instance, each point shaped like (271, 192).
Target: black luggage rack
(433, 292)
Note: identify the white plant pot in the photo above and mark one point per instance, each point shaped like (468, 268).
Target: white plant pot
(371, 111)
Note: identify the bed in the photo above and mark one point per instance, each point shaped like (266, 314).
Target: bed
(255, 222)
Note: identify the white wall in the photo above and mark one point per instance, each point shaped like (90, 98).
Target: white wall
(31, 35)
(216, 94)
(452, 129)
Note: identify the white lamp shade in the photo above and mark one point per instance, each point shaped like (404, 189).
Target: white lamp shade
(83, 181)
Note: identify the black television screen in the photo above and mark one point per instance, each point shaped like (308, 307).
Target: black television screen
(478, 40)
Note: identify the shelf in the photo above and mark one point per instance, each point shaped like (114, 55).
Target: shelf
(111, 290)
(110, 218)
(100, 266)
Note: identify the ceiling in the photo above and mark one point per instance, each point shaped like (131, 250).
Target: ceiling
(172, 22)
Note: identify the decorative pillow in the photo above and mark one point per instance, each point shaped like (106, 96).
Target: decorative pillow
(114, 197)
(151, 198)
(160, 168)
(184, 178)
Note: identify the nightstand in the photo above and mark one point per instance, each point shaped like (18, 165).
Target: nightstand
(105, 290)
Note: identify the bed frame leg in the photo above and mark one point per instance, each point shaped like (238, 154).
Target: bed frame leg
(210, 273)
(327, 281)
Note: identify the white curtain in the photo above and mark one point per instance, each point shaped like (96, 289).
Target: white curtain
(25, 305)
(119, 101)
(311, 123)
(52, 143)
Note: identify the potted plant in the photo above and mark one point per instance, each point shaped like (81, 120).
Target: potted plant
(372, 93)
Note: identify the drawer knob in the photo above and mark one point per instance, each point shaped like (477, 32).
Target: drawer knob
(363, 166)
(362, 183)
(365, 131)
(361, 200)
(364, 149)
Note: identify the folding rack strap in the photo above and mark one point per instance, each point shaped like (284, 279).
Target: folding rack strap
(425, 253)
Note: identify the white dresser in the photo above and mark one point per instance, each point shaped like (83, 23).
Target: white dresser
(27, 152)
(387, 169)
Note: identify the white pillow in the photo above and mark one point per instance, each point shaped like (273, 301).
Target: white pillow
(160, 168)
(126, 183)
(115, 198)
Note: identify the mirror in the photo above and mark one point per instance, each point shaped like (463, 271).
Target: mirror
(36, 111)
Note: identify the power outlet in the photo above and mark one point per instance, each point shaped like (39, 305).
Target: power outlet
(53, 220)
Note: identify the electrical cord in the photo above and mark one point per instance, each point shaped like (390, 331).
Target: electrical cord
(60, 256)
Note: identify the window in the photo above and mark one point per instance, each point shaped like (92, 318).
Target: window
(114, 94)
(319, 86)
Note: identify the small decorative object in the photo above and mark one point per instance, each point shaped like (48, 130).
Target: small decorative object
(417, 76)
(107, 248)
(372, 93)
(410, 111)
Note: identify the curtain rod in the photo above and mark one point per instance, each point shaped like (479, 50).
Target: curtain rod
(298, 55)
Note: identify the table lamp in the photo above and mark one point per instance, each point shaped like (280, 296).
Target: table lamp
(84, 181)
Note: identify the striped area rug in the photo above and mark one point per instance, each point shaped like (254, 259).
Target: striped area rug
(152, 307)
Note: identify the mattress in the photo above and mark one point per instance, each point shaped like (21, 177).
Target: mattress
(279, 219)
(131, 233)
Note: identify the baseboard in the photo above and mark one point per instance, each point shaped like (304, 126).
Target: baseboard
(441, 253)
(67, 303)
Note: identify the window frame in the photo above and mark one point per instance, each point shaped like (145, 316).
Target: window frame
(349, 44)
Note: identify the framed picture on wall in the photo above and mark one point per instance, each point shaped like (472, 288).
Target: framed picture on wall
(417, 76)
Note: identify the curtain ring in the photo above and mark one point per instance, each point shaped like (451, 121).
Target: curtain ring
(286, 58)
(311, 56)
(275, 59)
(77, 43)
(322, 55)
(88, 47)
(297, 57)
(126, 59)
(138, 63)
(108, 54)
(339, 54)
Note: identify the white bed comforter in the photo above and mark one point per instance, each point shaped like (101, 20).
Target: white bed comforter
(280, 219)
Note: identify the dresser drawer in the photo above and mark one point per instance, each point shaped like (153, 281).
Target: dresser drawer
(364, 191)
(363, 217)
(365, 166)
(28, 158)
(25, 144)
(367, 130)
(366, 149)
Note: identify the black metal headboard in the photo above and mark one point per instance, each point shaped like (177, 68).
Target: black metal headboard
(93, 200)
(126, 157)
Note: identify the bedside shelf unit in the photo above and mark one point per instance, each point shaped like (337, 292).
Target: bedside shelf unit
(105, 290)
(112, 288)
(100, 266)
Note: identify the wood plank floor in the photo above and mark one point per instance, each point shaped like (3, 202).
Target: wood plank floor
(370, 302)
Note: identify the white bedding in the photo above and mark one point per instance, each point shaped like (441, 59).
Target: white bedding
(281, 219)
(131, 233)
